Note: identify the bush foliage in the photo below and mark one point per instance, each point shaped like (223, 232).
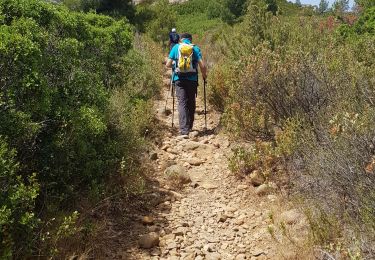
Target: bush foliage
(301, 83)
(74, 102)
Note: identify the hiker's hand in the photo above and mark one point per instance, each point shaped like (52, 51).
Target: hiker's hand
(204, 75)
(169, 63)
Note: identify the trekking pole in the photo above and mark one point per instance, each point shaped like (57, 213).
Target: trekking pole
(166, 112)
(166, 101)
(205, 108)
(173, 103)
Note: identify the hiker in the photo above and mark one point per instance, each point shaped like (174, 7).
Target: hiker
(174, 38)
(185, 58)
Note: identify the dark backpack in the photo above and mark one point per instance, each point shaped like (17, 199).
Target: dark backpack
(174, 37)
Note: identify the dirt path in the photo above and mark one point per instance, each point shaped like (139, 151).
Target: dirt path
(214, 216)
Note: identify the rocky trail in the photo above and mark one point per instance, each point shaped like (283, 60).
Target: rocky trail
(197, 208)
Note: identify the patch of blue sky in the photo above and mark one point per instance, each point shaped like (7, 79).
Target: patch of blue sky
(316, 2)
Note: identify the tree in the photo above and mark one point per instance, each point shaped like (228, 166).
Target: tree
(227, 10)
(219, 9)
(298, 3)
(323, 6)
(257, 21)
(272, 6)
(75, 5)
(236, 6)
(165, 19)
(341, 6)
(110, 7)
(117, 8)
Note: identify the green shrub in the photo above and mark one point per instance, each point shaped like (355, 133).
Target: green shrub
(197, 23)
(192, 7)
(365, 3)
(366, 23)
(74, 102)
(281, 84)
(261, 156)
(119, 9)
(18, 221)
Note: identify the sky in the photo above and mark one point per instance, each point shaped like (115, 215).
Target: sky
(316, 2)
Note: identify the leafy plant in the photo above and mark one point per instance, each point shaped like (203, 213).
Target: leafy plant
(66, 77)
(18, 221)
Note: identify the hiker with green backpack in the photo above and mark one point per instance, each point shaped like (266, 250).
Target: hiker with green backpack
(185, 57)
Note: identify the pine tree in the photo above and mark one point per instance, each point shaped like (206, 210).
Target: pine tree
(340, 6)
(323, 6)
(298, 3)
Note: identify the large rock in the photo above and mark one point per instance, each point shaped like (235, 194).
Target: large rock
(190, 146)
(194, 161)
(177, 172)
(149, 240)
(256, 178)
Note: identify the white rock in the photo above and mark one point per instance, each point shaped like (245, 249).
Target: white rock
(241, 257)
(213, 256)
(239, 222)
(194, 161)
(242, 187)
(263, 190)
(209, 186)
(272, 197)
(290, 217)
(207, 248)
(257, 252)
(230, 209)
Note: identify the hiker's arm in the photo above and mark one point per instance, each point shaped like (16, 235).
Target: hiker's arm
(169, 63)
(203, 68)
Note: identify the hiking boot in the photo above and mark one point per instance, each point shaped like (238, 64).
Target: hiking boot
(183, 136)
